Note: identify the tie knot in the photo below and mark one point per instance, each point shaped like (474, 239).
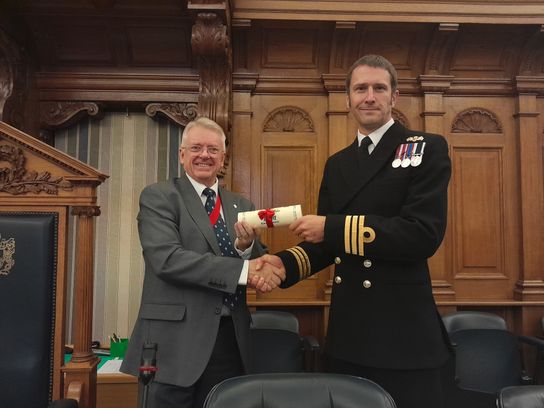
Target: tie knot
(365, 142)
(208, 192)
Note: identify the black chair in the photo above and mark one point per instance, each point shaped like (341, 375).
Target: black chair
(298, 390)
(473, 320)
(529, 396)
(285, 350)
(487, 355)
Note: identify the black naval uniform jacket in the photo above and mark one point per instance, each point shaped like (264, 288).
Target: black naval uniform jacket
(382, 224)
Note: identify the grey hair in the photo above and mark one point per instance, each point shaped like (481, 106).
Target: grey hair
(207, 123)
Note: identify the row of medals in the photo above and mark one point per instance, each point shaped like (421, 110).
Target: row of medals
(408, 154)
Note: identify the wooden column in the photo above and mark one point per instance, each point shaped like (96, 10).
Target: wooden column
(434, 87)
(80, 372)
(531, 284)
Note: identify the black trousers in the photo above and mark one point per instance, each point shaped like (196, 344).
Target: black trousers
(409, 388)
(225, 362)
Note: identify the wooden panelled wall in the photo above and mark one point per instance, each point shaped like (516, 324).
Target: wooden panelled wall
(482, 87)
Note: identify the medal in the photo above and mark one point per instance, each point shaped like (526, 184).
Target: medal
(398, 154)
(408, 154)
(418, 155)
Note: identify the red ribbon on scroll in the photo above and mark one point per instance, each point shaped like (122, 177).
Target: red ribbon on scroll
(267, 216)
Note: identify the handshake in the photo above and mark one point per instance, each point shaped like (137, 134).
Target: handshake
(265, 273)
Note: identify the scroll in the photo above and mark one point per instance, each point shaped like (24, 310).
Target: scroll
(271, 217)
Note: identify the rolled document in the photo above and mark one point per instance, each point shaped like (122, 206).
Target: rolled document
(271, 217)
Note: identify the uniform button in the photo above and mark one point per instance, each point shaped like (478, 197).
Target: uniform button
(337, 260)
(367, 284)
(337, 279)
(367, 263)
(217, 310)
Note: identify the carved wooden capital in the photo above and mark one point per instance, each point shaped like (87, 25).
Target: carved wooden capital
(16, 180)
(209, 36)
(86, 211)
(181, 113)
(65, 113)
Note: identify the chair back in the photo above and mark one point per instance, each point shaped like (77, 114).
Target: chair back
(486, 359)
(274, 319)
(525, 396)
(275, 343)
(298, 390)
(473, 320)
(27, 301)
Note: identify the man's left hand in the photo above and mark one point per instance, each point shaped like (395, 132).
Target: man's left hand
(311, 228)
(244, 235)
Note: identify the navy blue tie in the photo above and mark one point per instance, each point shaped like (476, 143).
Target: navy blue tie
(225, 245)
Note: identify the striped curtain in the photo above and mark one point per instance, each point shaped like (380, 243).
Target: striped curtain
(134, 150)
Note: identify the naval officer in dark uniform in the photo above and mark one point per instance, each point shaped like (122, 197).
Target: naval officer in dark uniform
(381, 214)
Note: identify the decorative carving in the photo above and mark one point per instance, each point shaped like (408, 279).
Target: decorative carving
(86, 211)
(14, 82)
(398, 116)
(211, 44)
(181, 113)
(16, 180)
(476, 120)
(7, 250)
(57, 114)
(288, 119)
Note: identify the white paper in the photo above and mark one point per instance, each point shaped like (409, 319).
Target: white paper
(111, 367)
(281, 216)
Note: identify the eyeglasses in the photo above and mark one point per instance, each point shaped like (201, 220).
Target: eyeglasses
(197, 149)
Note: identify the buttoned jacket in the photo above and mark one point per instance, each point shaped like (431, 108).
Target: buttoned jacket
(185, 280)
(383, 222)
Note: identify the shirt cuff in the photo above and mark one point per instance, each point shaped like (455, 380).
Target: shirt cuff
(247, 253)
(243, 275)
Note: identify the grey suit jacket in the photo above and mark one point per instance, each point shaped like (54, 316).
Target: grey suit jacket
(185, 279)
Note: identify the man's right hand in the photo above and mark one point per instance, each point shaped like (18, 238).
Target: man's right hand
(265, 273)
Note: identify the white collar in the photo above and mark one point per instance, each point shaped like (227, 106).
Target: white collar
(377, 135)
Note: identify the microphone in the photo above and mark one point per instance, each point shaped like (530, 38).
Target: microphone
(148, 365)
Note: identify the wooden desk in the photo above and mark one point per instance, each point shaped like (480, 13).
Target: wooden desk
(116, 391)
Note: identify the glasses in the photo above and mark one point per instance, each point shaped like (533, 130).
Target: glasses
(197, 149)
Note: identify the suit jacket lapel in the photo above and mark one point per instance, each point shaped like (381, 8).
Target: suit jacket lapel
(198, 213)
(356, 174)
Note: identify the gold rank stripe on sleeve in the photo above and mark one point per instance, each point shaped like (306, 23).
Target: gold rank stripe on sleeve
(303, 261)
(356, 235)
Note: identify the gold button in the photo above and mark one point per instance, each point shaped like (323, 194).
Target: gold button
(367, 263)
(367, 284)
(337, 279)
(337, 260)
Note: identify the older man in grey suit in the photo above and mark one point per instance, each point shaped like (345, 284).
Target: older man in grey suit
(193, 302)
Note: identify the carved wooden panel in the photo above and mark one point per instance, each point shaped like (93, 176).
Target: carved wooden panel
(288, 119)
(479, 225)
(402, 44)
(487, 51)
(287, 179)
(167, 47)
(300, 46)
(476, 120)
(280, 49)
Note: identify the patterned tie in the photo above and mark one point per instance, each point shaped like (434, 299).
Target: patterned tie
(225, 245)
(363, 148)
